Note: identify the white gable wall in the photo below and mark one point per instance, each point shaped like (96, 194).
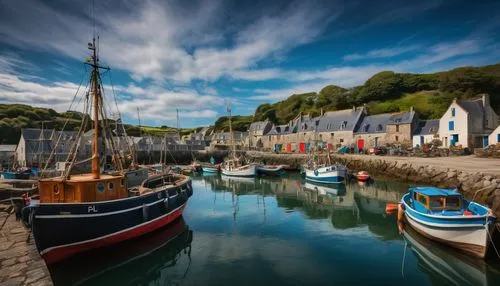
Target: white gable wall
(461, 126)
(493, 138)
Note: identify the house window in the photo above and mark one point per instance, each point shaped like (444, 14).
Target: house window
(397, 138)
(397, 128)
(453, 112)
(331, 135)
(379, 127)
(451, 125)
(269, 138)
(498, 138)
(341, 141)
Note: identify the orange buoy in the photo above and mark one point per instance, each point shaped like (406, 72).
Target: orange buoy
(391, 208)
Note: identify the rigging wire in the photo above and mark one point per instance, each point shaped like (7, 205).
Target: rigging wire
(65, 123)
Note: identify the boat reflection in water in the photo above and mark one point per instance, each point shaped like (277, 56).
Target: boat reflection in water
(164, 257)
(447, 266)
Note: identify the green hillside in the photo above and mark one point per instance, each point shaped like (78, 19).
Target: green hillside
(238, 122)
(429, 94)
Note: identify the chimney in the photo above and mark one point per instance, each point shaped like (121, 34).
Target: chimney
(411, 109)
(486, 100)
(454, 100)
(321, 113)
(354, 108)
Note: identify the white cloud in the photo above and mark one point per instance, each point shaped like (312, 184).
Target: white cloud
(381, 53)
(166, 41)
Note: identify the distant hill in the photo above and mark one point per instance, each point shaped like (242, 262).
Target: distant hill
(429, 94)
(15, 117)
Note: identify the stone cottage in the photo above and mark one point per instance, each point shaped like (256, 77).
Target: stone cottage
(371, 132)
(256, 131)
(400, 127)
(336, 128)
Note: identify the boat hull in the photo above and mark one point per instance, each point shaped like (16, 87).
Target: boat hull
(247, 171)
(274, 171)
(210, 170)
(362, 177)
(469, 234)
(63, 230)
(325, 175)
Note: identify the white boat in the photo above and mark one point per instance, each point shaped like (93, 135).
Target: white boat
(271, 169)
(331, 174)
(335, 190)
(205, 169)
(230, 168)
(445, 216)
(234, 166)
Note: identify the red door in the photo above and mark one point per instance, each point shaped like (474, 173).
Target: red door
(289, 148)
(302, 147)
(361, 143)
(330, 146)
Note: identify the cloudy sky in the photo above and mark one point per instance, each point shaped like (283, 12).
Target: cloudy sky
(195, 55)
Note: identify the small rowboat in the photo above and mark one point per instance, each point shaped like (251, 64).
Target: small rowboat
(445, 216)
(363, 176)
(274, 170)
(210, 169)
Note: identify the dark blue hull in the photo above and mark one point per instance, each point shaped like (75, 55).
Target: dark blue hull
(61, 230)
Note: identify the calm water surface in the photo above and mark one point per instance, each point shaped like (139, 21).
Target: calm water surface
(277, 231)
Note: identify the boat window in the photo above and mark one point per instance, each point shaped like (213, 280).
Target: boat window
(422, 199)
(111, 186)
(437, 202)
(453, 202)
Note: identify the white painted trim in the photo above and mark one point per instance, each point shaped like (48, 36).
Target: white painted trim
(442, 225)
(96, 214)
(111, 234)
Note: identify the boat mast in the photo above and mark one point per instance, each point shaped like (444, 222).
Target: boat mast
(95, 144)
(231, 142)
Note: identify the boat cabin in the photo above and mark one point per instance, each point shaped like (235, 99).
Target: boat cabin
(434, 200)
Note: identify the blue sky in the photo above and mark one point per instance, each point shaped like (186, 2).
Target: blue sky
(195, 55)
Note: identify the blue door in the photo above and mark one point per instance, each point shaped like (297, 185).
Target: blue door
(485, 141)
(454, 139)
(421, 140)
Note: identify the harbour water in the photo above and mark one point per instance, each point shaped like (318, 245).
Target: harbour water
(280, 231)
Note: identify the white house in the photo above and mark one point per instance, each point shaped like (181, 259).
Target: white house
(494, 137)
(427, 130)
(468, 123)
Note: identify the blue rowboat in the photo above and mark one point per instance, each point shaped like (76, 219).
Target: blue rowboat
(327, 175)
(445, 216)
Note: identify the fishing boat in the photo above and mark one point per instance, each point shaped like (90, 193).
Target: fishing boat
(79, 212)
(232, 165)
(210, 167)
(272, 170)
(327, 174)
(445, 216)
(22, 174)
(362, 176)
(326, 189)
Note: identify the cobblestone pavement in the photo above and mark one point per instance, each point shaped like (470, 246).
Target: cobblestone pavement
(21, 264)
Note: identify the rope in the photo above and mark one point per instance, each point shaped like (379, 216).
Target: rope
(404, 257)
(65, 123)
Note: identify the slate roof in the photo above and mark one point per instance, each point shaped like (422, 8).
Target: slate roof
(401, 118)
(473, 107)
(342, 120)
(427, 127)
(374, 124)
(38, 146)
(280, 130)
(258, 126)
(8, 148)
(34, 133)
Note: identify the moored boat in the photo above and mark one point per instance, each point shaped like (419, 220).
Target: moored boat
(362, 176)
(445, 216)
(326, 174)
(79, 212)
(23, 174)
(235, 168)
(210, 169)
(273, 170)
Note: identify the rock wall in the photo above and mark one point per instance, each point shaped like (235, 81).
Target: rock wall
(483, 188)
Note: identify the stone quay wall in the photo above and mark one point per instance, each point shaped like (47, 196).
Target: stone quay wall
(483, 187)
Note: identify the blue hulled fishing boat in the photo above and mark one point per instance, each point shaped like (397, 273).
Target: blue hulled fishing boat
(445, 216)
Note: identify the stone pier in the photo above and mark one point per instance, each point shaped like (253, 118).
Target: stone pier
(21, 264)
(477, 178)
